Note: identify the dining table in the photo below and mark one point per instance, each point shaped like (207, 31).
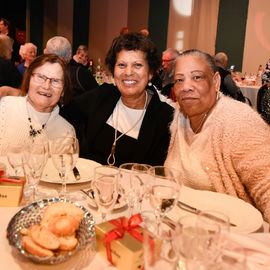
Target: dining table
(251, 92)
(250, 221)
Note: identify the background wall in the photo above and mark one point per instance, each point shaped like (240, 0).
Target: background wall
(240, 28)
(257, 41)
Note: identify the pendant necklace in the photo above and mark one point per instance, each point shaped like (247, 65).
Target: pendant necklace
(112, 154)
(205, 115)
(34, 132)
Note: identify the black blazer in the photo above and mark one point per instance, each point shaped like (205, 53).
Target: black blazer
(94, 108)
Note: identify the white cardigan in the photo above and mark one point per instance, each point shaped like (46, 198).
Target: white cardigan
(14, 124)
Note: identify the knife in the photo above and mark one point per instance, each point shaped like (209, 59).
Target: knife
(196, 211)
(76, 174)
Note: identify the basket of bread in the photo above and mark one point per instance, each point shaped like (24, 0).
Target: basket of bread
(51, 231)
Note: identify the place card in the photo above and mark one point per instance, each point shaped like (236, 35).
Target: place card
(11, 191)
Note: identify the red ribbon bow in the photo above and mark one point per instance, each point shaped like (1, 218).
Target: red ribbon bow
(119, 232)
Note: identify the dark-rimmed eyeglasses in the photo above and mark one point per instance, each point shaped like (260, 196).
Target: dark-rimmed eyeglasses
(40, 78)
(168, 60)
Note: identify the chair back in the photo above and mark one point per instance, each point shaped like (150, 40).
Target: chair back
(263, 102)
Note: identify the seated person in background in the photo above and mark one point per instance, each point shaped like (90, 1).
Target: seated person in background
(228, 86)
(9, 74)
(218, 143)
(127, 122)
(266, 73)
(28, 52)
(81, 56)
(167, 74)
(124, 31)
(81, 78)
(144, 32)
(36, 116)
(6, 28)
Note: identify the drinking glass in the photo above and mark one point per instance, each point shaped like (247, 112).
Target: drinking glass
(165, 189)
(64, 153)
(105, 186)
(158, 246)
(35, 158)
(132, 178)
(201, 240)
(15, 158)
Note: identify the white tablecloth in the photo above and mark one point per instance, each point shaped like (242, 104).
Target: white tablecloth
(12, 260)
(251, 92)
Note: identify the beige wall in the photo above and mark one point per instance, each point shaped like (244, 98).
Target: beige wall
(65, 19)
(193, 25)
(257, 41)
(50, 20)
(138, 14)
(105, 25)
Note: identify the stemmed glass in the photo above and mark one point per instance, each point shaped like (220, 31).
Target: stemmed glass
(132, 180)
(165, 189)
(64, 153)
(35, 157)
(202, 240)
(15, 158)
(105, 186)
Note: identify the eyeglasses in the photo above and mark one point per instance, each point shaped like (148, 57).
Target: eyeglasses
(169, 60)
(40, 78)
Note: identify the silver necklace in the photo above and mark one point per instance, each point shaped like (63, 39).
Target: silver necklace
(112, 154)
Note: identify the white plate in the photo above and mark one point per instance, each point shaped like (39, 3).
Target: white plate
(245, 216)
(85, 167)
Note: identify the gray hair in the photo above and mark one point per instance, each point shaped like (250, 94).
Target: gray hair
(24, 48)
(82, 48)
(208, 58)
(173, 52)
(60, 46)
(221, 58)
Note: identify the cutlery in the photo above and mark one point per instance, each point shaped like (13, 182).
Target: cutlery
(76, 173)
(90, 193)
(196, 211)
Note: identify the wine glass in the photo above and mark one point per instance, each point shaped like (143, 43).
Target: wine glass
(35, 158)
(158, 248)
(64, 153)
(165, 189)
(15, 158)
(132, 183)
(209, 240)
(105, 186)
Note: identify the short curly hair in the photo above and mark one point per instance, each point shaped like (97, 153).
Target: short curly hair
(132, 42)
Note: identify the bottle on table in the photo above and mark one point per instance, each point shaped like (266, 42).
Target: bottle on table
(91, 68)
(259, 75)
(99, 73)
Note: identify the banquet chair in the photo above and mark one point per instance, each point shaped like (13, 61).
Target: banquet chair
(263, 102)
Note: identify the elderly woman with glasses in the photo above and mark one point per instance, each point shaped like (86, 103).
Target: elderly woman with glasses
(35, 115)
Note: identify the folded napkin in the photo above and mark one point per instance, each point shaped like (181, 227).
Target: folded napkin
(257, 252)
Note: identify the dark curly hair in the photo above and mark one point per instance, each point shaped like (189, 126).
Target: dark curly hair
(52, 59)
(131, 42)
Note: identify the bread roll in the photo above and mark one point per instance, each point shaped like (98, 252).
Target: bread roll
(62, 209)
(63, 225)
(43, 237)
(68, 242)
(29, 245)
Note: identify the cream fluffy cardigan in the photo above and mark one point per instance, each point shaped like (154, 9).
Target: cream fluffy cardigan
(236, 156)
(14, 125)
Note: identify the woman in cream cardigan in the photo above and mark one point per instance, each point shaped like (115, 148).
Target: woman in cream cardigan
(35, 116)
(219, 144)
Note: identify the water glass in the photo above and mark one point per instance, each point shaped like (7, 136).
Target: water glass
(105, 186)
(158, 245)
